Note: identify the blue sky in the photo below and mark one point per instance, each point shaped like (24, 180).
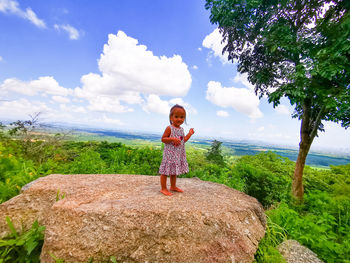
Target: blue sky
(122, 64)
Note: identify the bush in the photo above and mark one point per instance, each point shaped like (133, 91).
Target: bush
(267, 177)
(207, 171)
(88, 162)
(24, 246)
(14, 173)
(267, 251)
(318, 231)
(214, 154)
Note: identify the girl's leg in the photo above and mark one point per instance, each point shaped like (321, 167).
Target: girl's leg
(164, 190)
(173, 184)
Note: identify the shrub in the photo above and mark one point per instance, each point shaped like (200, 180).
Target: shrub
(214, 154)
(14, 173)
(267, 177)
(24, 246)
(267, 251)
(316, 231)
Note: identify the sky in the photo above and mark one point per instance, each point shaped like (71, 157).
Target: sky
(122, 64)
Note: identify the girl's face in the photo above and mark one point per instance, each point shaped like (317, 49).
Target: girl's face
(178, 117)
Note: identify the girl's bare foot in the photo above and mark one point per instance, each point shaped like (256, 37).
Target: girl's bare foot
(165, 192)
(176, 189)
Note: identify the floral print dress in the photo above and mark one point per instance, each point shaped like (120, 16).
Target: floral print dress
(174, 157)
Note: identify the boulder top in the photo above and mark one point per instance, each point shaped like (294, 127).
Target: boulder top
(141, 192)
(100, 215)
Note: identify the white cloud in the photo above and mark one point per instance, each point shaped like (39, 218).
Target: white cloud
(43, 85)
(128, 70)
(241, 99)
(199, 49)
(72, 108)
(282, 109)
(12, 7)
(180, 101)
(131, 66)
(213, 41)
(111, 121)
(243, 78)
(107, 104)
(60, 99)
(72, 32)
(195, 67)
(96, 85)
(22, 108)
(260, 129)
(1, 59)
(222, 113)
(155, 104)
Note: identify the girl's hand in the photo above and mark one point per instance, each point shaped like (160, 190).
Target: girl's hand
(176, 141)
(191, 131)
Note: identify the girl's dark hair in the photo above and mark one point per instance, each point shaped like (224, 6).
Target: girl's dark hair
(176, 106)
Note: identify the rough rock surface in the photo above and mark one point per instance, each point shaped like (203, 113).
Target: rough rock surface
(127, 217)
(293, 252)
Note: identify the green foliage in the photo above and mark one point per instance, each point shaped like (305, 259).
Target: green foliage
(59, 196)
(316, 228)
(88, 162)
(214, 154)
(208, 171)
(92, 158)
(267, 177)
(267, 251)
(22, 247)
(215, 173)
(2, 134)
(14, 173)
(56, 259)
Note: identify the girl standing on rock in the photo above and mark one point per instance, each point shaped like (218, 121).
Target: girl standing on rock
(174, 156)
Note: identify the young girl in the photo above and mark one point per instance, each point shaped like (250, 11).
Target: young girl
(174, 156)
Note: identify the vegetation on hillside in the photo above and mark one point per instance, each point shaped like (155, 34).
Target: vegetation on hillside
(321, 223)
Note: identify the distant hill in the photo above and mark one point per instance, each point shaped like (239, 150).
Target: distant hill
(238, 148)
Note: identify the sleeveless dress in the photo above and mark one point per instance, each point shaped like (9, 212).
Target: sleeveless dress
(174, 157)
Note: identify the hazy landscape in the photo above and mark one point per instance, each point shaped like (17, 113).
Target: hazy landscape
(231, 147)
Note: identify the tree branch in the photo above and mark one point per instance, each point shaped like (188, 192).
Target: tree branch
(317, 122)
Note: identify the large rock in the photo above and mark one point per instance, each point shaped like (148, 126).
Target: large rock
(294, 252)
(127, 217)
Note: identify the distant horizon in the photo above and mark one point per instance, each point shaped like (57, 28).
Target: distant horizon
(85, 127)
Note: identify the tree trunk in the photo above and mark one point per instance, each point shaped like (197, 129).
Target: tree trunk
(297, 186)
(308, 131)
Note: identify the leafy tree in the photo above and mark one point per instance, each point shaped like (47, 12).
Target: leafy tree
(2, 135)
(35, 144)
(25, 128)
(214, 154)
(294, 49)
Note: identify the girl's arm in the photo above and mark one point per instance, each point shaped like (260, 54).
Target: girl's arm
(189, 134)
(167, 139)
